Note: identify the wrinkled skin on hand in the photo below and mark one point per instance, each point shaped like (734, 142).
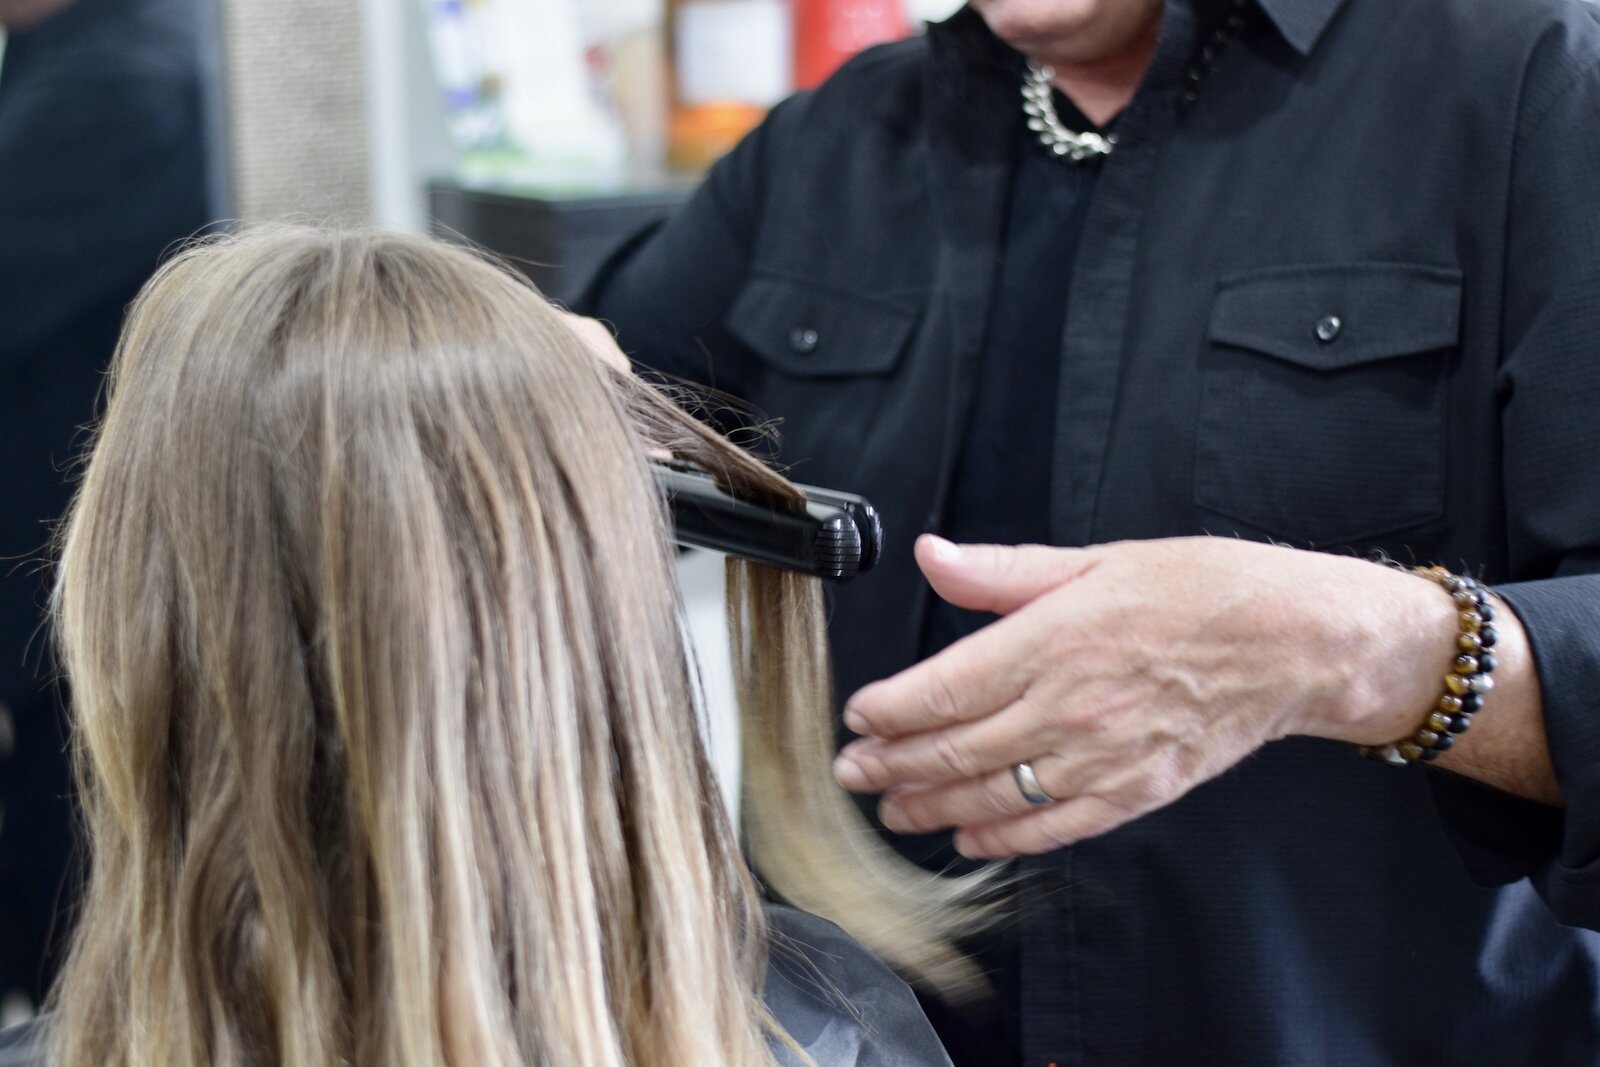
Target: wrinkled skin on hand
(1127, 674)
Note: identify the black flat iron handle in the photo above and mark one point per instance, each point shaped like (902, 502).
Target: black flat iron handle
(834, 536)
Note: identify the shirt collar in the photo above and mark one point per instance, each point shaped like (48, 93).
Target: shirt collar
(1301, 22)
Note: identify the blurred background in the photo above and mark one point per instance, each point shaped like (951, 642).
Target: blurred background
(546, 130)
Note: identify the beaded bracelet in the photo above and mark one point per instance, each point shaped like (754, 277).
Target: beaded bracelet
(1464, 686)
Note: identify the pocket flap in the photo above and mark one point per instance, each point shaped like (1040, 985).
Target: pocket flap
(812, 332)
(1327, 317)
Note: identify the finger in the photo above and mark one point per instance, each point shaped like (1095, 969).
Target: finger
(993, 797)
(934, 757)
(970, 680)
(998, 578)
(598, 339)
(1041, 830)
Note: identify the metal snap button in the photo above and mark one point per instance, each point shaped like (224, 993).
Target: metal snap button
(1329, 328)
(803, 339)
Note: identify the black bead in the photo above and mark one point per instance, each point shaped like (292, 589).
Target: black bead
(1487, 662)
(1429, 755)
(1487, 636)
(1443, 744)
(1460, 723)
(1472, 702)
(1487, 611)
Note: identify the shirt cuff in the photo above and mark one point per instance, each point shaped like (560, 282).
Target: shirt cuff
(1502, 838)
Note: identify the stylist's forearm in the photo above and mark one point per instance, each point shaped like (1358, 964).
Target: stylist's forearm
(1507, 747)
(1403, 647)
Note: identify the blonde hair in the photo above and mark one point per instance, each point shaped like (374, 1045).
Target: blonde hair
(383, 723)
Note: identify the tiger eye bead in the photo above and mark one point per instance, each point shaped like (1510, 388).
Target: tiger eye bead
(1466, 683)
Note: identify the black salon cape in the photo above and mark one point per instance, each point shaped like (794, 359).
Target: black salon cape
(838, 1002)
(1426, 173)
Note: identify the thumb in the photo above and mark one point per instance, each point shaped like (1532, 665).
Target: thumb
(997, 578)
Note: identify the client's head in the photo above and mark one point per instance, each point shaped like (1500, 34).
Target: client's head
(386, 736)
(385, 731)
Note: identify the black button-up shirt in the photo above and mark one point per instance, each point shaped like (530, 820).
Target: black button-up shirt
(1348, 299)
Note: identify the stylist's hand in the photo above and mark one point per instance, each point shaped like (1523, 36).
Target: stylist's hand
(599, 340)
(602, 345)
(1129, 673)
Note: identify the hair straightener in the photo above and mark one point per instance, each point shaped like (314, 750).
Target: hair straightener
(834, 536)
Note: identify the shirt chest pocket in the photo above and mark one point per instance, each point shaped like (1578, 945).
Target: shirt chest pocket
(1322, 407)
(802, 330)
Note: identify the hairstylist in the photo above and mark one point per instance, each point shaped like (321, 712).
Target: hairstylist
(1317, 272)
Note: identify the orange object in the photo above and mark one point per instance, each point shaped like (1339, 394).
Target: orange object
(698, 136)
(729, 61)
(828, 32)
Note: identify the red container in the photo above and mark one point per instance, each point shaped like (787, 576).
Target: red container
(828, 32)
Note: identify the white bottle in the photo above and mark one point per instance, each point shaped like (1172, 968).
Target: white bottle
(532, 112)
